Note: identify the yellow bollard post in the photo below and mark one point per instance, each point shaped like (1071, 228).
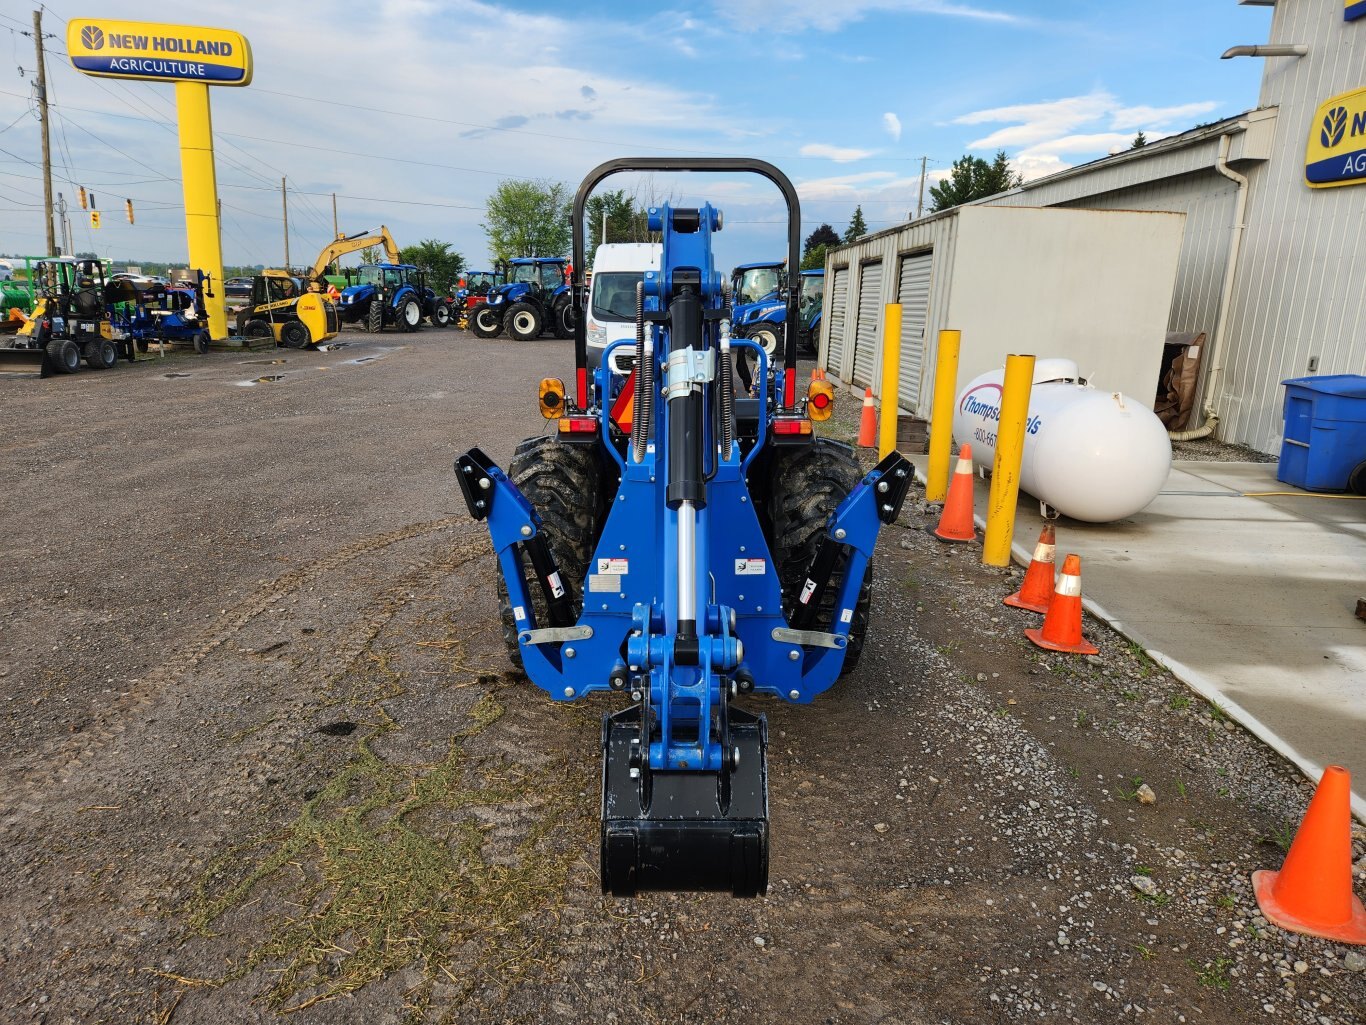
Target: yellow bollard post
(1005, 471)
(201, 196)
(891, 378)
(941, 415)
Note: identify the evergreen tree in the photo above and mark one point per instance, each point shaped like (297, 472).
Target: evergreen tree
(973, 178)
(857, 226)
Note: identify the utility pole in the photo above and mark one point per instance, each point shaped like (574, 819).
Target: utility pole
(920, 203)
(335, 230)
(284, 202)
(47, 149)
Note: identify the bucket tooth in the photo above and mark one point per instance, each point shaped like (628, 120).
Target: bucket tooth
(684, 831)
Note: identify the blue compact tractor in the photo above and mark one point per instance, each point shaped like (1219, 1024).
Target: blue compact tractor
(685, 548)
(385, 294)
(763, 319)
(533, 297)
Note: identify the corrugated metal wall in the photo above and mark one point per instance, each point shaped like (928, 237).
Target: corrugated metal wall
(888, 246)
(913, 293)
(868, 332)
(1299, 287)
(834, 323)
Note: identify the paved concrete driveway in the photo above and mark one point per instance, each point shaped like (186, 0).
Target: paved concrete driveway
(1247, 596)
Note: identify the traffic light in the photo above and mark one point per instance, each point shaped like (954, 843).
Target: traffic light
(83, 203)
(94, 218)
(128, 203)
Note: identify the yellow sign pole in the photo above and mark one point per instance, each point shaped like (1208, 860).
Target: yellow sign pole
(201, 196)
(1005, 472)
(941, 415)
(891, 378)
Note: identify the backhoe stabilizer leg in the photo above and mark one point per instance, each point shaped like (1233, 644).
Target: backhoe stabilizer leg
(684, 831)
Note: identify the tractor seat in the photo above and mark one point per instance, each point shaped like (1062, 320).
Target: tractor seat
(746, 417)
(86, 302)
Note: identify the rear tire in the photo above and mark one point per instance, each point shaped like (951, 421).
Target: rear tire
(564, 320)
(807, 484)
(768, 336)
(104, 354)
(441, 315)
(294, 335)
(201, 342)
(408, 316)
(1356, 480)
(374, 317)
(258, 329)
(64, 356)
(524, 322)
(564, 485)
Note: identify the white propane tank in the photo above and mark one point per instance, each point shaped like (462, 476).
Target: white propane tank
(1092, 455)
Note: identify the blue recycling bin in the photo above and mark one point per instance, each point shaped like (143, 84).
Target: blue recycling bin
(1324, 446)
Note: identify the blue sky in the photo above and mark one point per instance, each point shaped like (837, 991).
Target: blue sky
(844, 97)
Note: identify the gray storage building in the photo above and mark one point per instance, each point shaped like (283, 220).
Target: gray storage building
(1278, 293)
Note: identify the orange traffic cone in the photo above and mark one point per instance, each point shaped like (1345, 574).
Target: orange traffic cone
(1062, 623)
(867, 428)
(955, 522)
(1312, 893)
(1037, 590)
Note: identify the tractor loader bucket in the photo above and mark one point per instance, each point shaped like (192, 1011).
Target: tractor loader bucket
(16, 358)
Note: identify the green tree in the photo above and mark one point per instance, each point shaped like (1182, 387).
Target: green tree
(973, 178)
(822, 236)
(442, 264)
(528, 218)
(370, 254)
(815, 256)
(620, 214)
(857, 226)
(1140, 140)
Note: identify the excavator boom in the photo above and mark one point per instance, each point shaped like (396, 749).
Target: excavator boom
(344, 244)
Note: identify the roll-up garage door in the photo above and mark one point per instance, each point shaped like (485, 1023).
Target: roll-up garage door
(866, 342)
(913, 293)
(839, 300)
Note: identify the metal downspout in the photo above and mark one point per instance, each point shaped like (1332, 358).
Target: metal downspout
(1235, 246)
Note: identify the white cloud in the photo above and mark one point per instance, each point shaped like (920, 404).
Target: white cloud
(1145, 117)
(791, 16)
(1040, 137)
(839, 154)
(892, 124)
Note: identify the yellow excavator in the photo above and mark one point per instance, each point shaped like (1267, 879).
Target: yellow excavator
(344, 244)
(299, 315)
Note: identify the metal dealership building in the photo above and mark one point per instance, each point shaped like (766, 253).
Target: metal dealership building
(1269, 266)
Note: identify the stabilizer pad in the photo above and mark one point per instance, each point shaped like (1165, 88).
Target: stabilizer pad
(677, 831)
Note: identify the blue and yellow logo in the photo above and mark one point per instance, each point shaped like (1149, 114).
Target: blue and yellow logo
(1355, 9)
(151, 51)
(1337, 142)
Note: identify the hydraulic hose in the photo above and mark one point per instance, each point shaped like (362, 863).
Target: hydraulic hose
(645, 382)
(726, 384)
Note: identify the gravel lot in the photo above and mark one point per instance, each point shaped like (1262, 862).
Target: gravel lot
(264, 757)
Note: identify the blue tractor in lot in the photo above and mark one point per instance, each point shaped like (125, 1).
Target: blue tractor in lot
(763, 320)
(683, 547)
(533, 297)
(386, 294)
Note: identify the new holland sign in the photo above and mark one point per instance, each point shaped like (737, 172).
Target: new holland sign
(159, 53)
(1337, 142)
(1355, 9)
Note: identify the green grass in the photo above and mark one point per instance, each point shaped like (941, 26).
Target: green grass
(1082, 718)
(1215, 974)
(1178, 702)
(383, 869)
